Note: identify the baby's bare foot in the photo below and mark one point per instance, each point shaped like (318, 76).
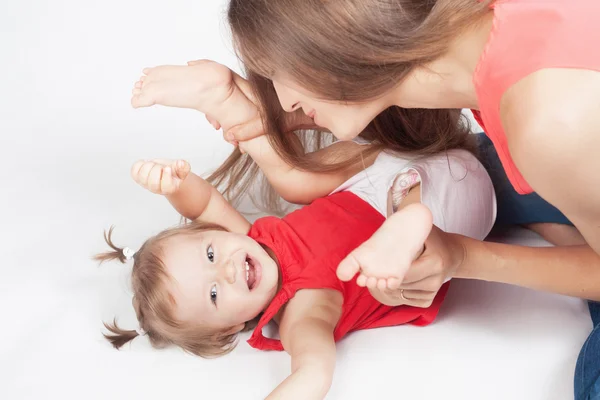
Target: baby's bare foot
(383, 260)
(199, 86)
(203, 85)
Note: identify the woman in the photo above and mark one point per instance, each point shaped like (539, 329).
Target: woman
(524, 67)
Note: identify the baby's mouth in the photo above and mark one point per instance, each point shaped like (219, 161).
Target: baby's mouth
(250, 273)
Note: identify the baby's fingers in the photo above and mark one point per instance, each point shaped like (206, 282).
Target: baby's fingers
(168, 184)
(182, 169)
(154, 178)
(135, 170)
(143, 174)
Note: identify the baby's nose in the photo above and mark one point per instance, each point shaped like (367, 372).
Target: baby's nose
(228, 272)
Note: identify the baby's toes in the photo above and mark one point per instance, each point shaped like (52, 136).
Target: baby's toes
(361, 280)
(381, 284)
(393, 283)
(141, 99)
(372, 283)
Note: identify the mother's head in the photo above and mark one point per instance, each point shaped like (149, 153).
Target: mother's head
(345, 61)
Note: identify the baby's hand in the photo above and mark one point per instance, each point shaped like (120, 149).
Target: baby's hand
(160, 176)
(384, 259)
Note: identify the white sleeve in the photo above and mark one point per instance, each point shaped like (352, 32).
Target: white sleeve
(459, 192)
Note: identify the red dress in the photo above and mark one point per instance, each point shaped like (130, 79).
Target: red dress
(527, 36)
(309, 245)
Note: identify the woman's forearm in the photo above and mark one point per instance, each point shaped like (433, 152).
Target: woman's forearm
(569, 270)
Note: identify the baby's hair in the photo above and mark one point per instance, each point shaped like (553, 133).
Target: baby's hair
(154, 305)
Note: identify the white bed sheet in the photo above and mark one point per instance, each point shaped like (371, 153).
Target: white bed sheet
(68, 138)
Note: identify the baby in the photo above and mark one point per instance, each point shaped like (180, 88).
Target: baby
(197, 286)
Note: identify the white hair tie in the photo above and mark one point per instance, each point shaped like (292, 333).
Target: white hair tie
(128, 253)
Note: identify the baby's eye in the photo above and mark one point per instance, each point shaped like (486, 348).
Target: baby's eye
(210, 254)
(213, 294)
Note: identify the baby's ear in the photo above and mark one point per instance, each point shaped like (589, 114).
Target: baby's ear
(235, 329)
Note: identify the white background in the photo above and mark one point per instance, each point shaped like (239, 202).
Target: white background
(68, 138)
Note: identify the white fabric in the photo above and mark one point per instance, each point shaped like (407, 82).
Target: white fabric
(454, 186)
(68, 138)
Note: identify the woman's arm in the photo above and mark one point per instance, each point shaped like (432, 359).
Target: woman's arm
(552, 124)
(190, 195)
(306, 331)
(570, 270)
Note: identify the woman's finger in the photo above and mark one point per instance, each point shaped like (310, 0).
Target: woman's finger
(423, 267)
(417, 295)
(250, 130)
(430, 283)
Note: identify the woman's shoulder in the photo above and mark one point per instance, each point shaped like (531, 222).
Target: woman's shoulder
(531, 35)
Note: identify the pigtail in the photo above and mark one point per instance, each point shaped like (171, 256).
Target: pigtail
(117, 253)
(117, 336)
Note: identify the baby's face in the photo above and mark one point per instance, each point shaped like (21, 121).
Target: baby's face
(219, 279)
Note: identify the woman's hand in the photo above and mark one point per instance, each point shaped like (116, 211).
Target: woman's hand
(441, 258)
(383, 261)
(254, 128)
(426, 275)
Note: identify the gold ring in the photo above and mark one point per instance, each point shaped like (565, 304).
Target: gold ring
(402, 295)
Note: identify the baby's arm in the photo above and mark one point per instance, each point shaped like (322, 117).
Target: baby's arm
(190, 195)
(303, 187)
(306, 331)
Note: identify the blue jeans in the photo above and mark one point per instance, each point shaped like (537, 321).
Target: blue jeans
(516, 209)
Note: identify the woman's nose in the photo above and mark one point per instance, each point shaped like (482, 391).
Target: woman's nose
(288, 101)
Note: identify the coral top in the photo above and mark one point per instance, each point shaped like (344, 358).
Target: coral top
(527, 36)
(309, 244)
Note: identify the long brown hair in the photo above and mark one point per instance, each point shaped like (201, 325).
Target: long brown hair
(154, 304)
(345, 50)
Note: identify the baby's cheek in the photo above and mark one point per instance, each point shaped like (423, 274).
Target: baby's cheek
(243, 310)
